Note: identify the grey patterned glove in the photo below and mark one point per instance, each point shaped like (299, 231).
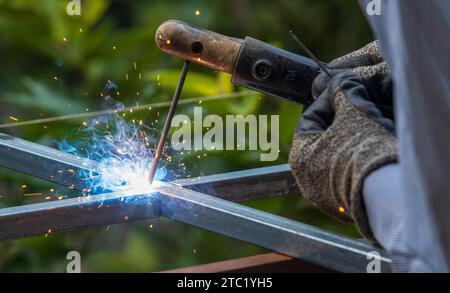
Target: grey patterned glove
(341, 138)
(368, 63)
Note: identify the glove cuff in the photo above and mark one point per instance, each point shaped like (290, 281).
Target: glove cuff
(381, 154)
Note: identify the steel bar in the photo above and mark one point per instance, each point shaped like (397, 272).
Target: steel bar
(75, 214)
(175, 202)
(52, 165)
(247, 185)
(266, 230)
(178, 203)
(43, 162)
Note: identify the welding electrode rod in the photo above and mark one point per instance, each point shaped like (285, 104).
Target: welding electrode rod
(310, 54)
(168, 122)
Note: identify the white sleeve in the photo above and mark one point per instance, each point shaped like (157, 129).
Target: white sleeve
(381, 197)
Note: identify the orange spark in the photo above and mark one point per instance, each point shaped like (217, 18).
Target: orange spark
(49, 231)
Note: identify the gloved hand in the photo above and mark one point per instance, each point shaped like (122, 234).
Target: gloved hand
(341, 138)
(369, 64)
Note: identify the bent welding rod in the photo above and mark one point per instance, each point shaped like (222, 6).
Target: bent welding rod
(252, 63)
(168, 122)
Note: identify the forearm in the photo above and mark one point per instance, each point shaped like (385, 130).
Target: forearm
(381, 194)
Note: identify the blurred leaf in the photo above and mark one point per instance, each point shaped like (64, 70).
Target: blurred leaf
(93, 11)
(197, 84)
(289, 116)
(224, 82)
(244, 106)
(138, 256)
(40, 97)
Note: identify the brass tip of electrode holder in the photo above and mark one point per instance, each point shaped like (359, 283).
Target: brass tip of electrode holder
(198, 45)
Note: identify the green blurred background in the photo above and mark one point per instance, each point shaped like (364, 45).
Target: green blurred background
(53, 64)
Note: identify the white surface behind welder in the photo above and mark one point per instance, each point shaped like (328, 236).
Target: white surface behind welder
(408, 203)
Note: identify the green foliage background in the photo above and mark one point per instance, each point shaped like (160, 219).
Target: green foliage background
(54, 64)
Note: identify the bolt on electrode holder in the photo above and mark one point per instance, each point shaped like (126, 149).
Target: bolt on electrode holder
(262, 69)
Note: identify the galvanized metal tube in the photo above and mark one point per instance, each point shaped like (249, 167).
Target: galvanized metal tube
(75, 214)
(177, 203)
(62, 168)
(266, 230)
(43, 162)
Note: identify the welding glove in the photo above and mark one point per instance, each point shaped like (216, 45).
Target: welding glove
(341, 138)
(369, 64)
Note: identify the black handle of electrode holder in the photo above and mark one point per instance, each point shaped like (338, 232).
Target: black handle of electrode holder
(271, 70)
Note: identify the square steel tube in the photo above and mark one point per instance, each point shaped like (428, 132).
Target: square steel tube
(176, 202)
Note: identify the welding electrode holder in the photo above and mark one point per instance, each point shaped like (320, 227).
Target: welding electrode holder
(252, 63)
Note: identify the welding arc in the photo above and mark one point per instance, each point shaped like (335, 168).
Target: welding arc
(310, 54)
(168, 122)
